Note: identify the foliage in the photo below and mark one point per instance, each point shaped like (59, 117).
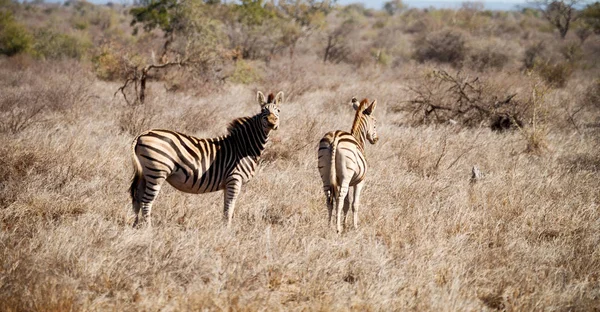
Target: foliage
(559, 13)
(338, 38)
(394, 7)
(193, 39)
(488, 57)
(254, 29)
(14, 37)
(51, 44)
(244, 73)
(108, 63)
(591, 16)
(532, 54)
(445, 46)
(253, 12)
(156, 14)
(303, 17)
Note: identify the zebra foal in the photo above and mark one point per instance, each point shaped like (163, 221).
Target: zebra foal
(342, 160)
(196, 165)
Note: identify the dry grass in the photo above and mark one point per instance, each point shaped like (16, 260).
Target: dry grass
(524, 238)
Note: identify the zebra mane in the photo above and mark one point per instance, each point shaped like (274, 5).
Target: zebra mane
(359, 112)
(243, 121)
(238, 123)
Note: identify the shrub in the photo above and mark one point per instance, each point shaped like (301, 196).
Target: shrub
(440, 97)
(244, 73)
(488, 57)
(572, 52)
(536, 134)
(14, 37)
(591, 97)
(555, 74)
(445, 46)
(53, 45)
(109, 63)
(35, 94)
(532, 54)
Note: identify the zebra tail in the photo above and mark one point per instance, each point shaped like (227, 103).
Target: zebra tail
(137, 171)
(332, 169)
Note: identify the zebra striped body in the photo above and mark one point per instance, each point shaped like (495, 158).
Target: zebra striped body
(342, 161)
(196, 165)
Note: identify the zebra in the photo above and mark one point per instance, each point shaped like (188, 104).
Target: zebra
(196, 165)
(342, 163)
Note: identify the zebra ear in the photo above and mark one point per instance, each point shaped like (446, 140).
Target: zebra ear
(371, 108)
(279, 98)
(260, 97)
(355, 103)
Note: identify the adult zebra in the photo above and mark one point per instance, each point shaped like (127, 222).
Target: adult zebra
(195, 165)
(342, 160)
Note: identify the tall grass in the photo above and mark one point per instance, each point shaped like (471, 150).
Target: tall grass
(525, 237)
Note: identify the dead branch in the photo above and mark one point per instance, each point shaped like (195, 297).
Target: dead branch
(138, 77)
(441, 97)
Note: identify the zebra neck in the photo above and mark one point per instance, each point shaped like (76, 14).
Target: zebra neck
(249, 136)
(359, 132)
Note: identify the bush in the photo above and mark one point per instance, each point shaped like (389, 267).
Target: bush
(33, 95)
(440, 97)
(591, 97)
(488, 57)
(445, 46)
(53, 45)
(555, 74)
(244, 73)
(14, 37)
(109, 63)
(532, 55)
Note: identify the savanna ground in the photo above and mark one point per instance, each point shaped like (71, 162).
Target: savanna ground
(524, 237)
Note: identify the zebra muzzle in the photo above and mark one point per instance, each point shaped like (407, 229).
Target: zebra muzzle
(273, 122)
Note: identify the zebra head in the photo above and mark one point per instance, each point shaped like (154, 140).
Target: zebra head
(270, 110)
(368, 121)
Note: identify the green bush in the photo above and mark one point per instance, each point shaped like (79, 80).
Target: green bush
(14, 37)
(244, 73)
(53, 45)
(108, 64)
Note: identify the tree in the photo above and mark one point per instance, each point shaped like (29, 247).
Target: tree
(304, 17)
(590, 16)
(559, 13)
(252, 28)
(162, 14)
(193, 40)
(14, 37)
(337, 47)
(394, 6)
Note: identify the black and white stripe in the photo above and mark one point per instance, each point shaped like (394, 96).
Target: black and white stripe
(196, 165)
(342, 161)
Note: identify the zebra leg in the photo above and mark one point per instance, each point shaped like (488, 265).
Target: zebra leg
(329, 198)
(138, 184)
(340, 205)
(136, 210)
(232, 190)
(148, 192)
(346, 206)
(356, 202)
